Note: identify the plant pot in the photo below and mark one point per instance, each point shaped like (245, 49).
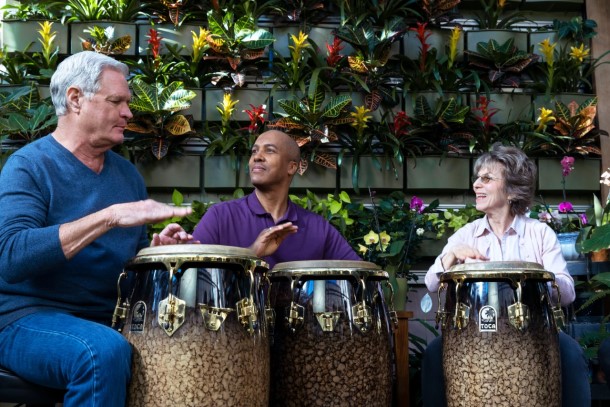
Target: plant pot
(17, 35)
(438, 173)
(567, 241)
(584, 176)
(219, 173)
(512, 105)
(316, 177)
(370, 176)
(176, 172)
(599, 256)
(599, 261)
(197, 105)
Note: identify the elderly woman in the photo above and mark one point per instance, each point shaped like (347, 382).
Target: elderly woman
(504, 187)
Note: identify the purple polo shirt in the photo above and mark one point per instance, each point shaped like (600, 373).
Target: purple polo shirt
(238, 222)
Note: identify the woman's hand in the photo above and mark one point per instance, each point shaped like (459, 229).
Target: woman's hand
(459, 254)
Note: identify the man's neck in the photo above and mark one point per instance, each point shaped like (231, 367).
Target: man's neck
(273, 202)
(92, 158)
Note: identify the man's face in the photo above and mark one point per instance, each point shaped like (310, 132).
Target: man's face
(104, 117)
(269, 163)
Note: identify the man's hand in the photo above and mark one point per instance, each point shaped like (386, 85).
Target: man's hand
(143, 212)
(172, 234)
(270, 239)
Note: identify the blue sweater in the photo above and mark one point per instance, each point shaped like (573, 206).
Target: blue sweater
(42, 186)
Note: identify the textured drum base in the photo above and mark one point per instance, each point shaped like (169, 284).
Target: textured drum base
(505, 368)
(342, 368)
(197, 367)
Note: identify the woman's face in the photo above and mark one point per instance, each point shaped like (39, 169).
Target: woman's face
(488, 188)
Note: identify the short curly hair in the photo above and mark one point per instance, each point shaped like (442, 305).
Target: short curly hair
(519, 174)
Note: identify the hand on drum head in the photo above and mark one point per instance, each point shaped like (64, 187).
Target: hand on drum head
(459, 254)
(172, 234)
(270, 239)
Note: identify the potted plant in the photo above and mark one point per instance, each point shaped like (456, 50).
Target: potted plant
(102, 40)
(120, 15)
(227, 143)
(312, 123)
(369, 63)
(442, 123)
(596, 236)
(21, 21)
(234, 40)
(390, 233)
(158, 124)
(500, 64)
(370, 150)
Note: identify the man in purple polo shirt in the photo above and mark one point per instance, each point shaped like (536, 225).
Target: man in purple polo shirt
(266, 220)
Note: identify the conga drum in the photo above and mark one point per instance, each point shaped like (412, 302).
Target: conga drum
(195, 318)
(331, 341)
(500, 335)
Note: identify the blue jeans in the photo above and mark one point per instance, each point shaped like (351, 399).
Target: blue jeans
(575, 387)
(92, 361)
(603, 355)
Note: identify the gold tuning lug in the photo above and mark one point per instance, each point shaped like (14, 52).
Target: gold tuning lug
(519, 313)
(270, 317)
(394, 319)
(362, 316)
(246, 312)
(441, 318)
(294, 317)
(120, 310)
(172, 311)
(441, 314)
(560, 320)
(462, 315)
(120, 315)
(327, 320)
(519, 316)
(213, 317)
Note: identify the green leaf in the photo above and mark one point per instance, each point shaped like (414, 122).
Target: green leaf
(293, 108)
(257, 40)
(344, 197)
(335, 105)
(600, 239)
(177, 198)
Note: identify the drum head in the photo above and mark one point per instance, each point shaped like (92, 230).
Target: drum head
(494, 270)
(179, 254)
(328, 269)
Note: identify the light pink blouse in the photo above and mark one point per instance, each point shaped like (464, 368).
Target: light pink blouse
(526, 239)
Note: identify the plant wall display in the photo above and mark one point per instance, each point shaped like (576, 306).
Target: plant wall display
(360, 93)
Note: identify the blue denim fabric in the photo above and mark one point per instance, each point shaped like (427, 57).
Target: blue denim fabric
(575, 387)
(92, 361)
(603, 355)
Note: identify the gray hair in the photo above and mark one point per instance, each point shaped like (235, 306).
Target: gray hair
(83, 71)
(519, 174)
